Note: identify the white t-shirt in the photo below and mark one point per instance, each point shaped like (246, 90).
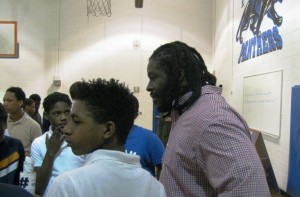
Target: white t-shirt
(6, 132)
(65, 161)
(107, 173)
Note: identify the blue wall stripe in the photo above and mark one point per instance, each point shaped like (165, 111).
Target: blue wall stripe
(293, 185)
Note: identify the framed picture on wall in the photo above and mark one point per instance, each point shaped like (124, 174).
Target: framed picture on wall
(8, 39)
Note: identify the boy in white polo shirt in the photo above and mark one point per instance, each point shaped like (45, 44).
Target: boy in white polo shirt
(50, 152)
(101, 118)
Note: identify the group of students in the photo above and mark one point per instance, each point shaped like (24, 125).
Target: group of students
(208, 152)
(52, 156)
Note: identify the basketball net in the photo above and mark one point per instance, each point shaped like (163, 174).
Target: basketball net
(99, 7)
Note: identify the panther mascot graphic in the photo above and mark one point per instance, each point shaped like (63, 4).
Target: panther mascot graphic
(253, 15)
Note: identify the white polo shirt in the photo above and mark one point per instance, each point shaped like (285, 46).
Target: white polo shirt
(65, 161)
(108, 173)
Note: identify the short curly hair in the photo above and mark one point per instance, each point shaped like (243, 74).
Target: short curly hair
(107, 100)
(3, 114)
(35, 97)
(53, 98)
(28, 101)
(20, 94)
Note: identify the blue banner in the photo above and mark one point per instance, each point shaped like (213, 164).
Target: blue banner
(293, 186)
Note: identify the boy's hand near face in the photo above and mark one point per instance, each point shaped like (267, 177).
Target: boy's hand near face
(54, 143)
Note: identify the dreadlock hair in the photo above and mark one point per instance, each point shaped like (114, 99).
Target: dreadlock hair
(53, 98)
(176, 56)
(107, 101)
(3, 114)
(19, 93)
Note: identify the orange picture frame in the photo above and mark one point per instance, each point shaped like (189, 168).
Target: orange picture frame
(8, 39)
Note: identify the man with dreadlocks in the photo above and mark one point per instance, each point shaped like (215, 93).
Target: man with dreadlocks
(209, 150)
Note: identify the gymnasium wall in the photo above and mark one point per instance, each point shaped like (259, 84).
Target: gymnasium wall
(58, 39)
(234, 63)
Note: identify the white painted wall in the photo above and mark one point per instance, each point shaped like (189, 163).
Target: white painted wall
(231, 74)
(57, 38)
(62, 40)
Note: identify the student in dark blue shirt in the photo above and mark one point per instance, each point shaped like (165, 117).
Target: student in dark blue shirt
(8, 190)
(12, 154)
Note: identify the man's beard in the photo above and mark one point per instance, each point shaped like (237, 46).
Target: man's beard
(169, 95)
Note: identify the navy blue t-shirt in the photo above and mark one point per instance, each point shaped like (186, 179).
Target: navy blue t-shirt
(8, 190)
(12, 157)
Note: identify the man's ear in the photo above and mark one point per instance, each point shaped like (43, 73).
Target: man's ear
(183, 83)
(45, 115)
(110, 130)
(21, 103)
(181, 74)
